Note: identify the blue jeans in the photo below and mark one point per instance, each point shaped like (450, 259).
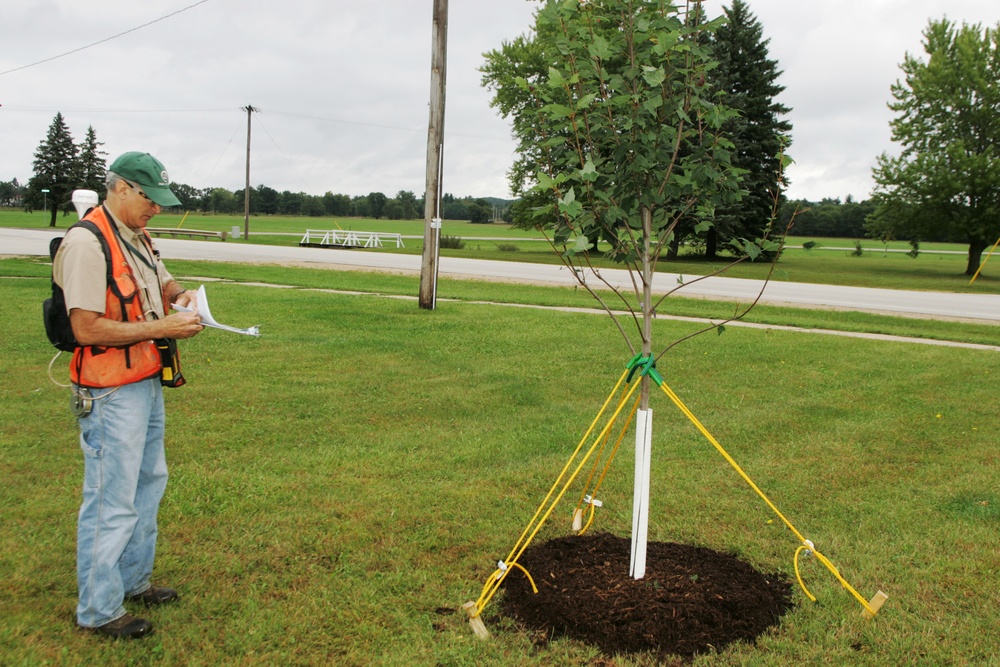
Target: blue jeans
(125, 475)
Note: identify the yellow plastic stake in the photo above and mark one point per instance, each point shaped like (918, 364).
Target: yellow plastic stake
(875, 604)
(478, 627)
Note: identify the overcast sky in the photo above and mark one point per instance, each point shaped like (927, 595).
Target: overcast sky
(343, 87)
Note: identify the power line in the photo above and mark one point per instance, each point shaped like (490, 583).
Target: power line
(382, 127)
(115, 110)
(283, 154)
(289, 114)
(106, 39)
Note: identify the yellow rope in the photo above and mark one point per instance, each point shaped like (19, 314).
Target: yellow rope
(496, 579)
(607, 464)
(494, 582)
(807, 544)
(597, 461)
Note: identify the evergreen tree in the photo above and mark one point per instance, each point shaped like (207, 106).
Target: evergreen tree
(55, 169)
(91, 165)
(749, 78)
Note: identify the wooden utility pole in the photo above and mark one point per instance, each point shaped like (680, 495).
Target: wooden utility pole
(435, 158)
(246, 192)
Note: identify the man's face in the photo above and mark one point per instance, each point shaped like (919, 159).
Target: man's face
(137, 208)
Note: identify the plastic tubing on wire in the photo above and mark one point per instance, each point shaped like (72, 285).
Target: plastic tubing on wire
(494, 583)
(715, 443)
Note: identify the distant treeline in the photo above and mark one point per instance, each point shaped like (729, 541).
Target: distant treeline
(265, 200)
(827, 217)
(404, 206)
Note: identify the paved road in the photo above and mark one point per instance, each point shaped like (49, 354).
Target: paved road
(927, 304)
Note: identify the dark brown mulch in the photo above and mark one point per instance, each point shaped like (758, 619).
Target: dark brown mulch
(692, 599)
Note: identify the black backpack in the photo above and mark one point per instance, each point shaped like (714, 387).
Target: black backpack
(54, 315)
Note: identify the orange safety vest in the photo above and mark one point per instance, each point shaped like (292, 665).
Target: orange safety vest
(96, 366)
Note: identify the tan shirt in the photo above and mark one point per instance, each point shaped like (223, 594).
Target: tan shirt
(81, 271)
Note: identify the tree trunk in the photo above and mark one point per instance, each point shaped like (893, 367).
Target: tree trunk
(711, 244)
(53, 212)
(976, 249)
(647, 298)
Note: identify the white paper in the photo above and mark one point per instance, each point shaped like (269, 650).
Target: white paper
(207, 319)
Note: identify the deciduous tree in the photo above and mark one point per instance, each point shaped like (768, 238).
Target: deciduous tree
(619, 135)
(945, 183)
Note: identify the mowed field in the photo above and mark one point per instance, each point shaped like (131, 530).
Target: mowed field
(341, 485)
(939, 266)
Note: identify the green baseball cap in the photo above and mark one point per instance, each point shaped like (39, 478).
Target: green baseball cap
(147, 172)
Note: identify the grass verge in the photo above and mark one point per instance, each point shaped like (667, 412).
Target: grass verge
(341, 485)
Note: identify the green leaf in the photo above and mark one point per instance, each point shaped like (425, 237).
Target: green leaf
(599, 48)
(556, 79)
(581, 243)
(543, 180)
(721, 329)
(653, 76)
(585, 101)
(557, 111)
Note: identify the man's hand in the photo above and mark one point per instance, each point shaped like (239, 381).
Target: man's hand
(188, 299)
(91, 328)
(182, 325)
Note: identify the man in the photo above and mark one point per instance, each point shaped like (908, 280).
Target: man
(116, 378)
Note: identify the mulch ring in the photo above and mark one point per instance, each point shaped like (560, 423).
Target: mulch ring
(692, 599)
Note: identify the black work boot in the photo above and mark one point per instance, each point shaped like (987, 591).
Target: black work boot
(126, 627)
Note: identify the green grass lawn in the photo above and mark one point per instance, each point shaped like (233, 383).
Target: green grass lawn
(341, 485)
(874, 268)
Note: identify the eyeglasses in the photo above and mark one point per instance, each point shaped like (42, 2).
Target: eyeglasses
(141, 194)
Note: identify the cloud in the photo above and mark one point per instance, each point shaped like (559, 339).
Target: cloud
(343, 87)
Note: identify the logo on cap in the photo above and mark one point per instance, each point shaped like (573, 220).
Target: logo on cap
(164, 178)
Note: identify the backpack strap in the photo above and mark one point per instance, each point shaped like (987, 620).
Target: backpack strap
(88, 225)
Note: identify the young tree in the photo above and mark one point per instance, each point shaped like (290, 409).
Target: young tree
(91, 165)
(619, 136)
(945, 183)
(55, 169)
(749, 78)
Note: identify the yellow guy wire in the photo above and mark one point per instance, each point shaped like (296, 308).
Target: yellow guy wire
(807, 544)
(984, 261)
(181, 223)
(496, 579)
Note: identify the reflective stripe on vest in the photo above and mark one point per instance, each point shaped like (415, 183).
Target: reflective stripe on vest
(97, 366)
